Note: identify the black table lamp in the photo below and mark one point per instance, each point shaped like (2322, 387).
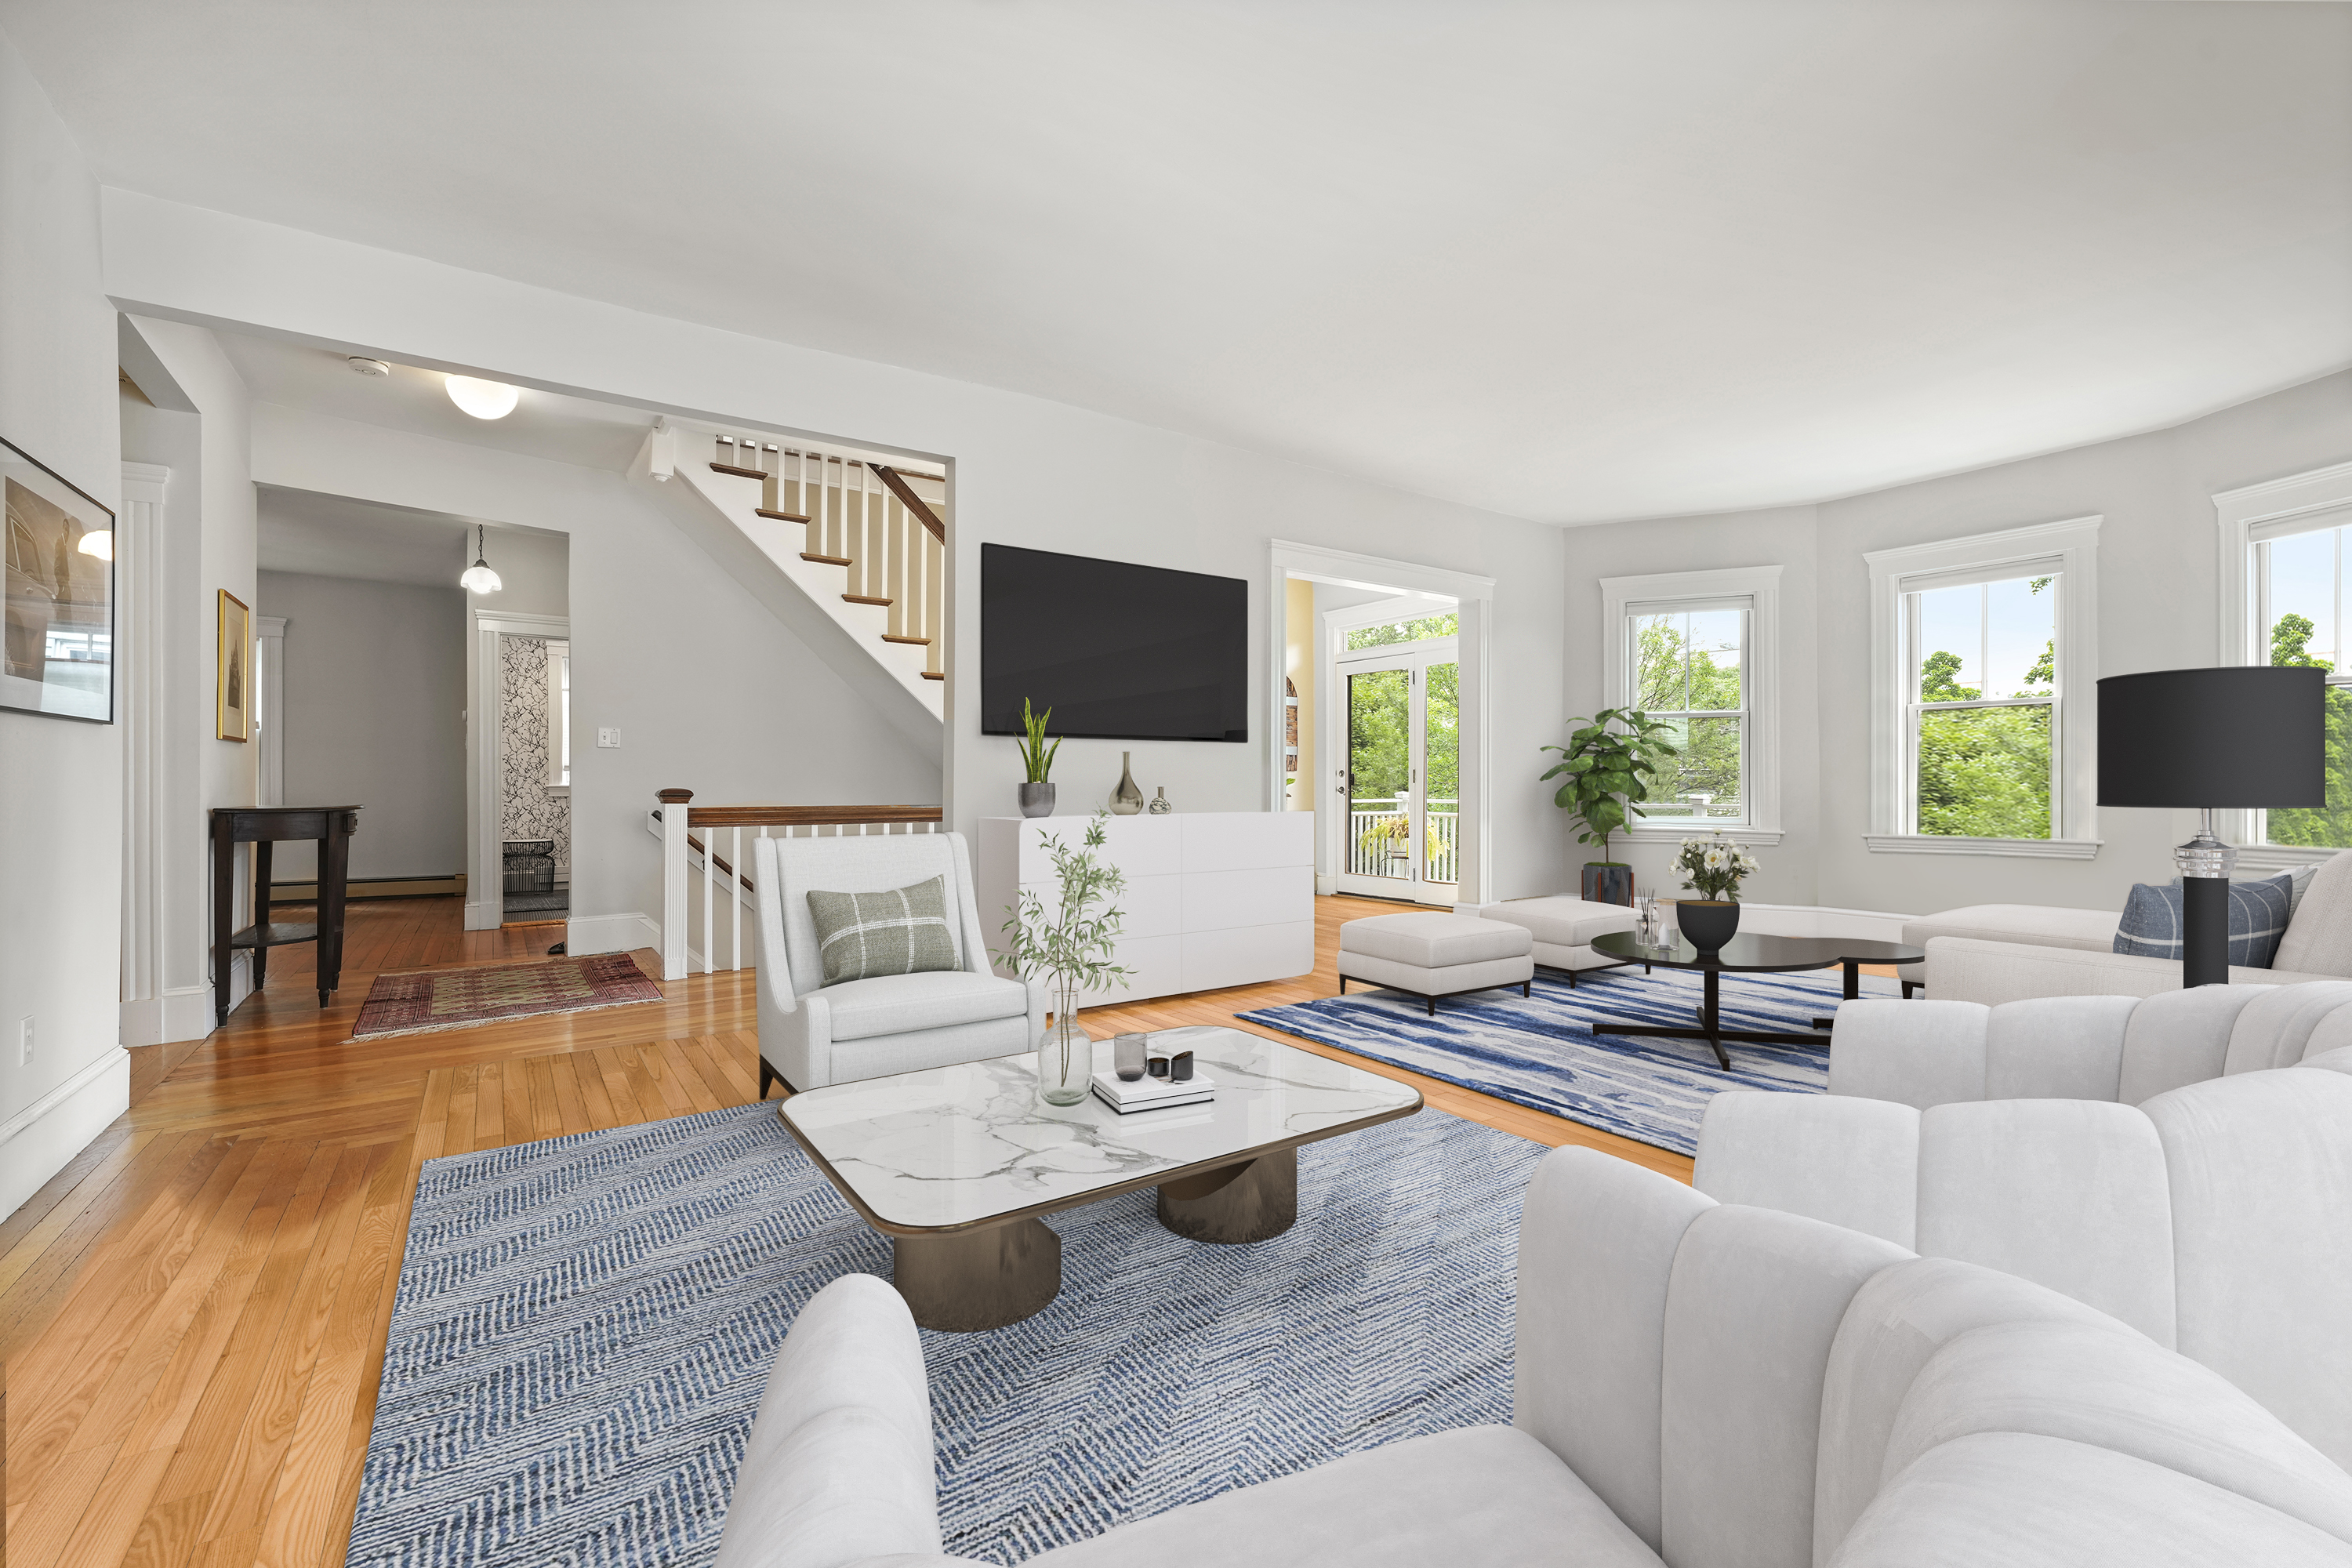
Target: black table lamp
(2232, 737)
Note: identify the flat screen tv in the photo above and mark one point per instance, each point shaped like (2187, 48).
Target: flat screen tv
(1118, 652)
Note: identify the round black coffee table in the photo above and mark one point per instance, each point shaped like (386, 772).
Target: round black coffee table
(1746, 955)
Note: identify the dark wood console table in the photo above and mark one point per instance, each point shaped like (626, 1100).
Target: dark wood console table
(262, 827)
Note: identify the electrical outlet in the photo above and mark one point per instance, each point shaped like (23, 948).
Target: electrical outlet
(25, 1041)
(608, 736)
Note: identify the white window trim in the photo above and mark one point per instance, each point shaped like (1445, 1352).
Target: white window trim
(1760, 586)
(2270, 507)
(556, 648)
(2075, 542)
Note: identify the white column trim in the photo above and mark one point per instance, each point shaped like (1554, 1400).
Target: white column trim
(140, 664)
(270, 667)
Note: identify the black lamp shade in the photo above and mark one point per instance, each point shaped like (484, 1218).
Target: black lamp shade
(2230, 736)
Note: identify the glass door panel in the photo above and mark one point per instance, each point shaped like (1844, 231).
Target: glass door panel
(1440, 796)
(1380, 795)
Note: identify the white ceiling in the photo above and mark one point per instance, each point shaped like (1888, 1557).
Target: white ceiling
(332, 536)
(1570, 260)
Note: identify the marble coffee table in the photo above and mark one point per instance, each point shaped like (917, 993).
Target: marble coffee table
(956, 1163)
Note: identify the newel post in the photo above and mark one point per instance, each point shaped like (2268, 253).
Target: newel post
(673, 930)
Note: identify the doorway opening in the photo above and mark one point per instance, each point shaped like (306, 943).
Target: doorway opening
(1382, 666)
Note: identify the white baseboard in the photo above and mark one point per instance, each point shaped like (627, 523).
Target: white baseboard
(611, 934)
(40, 1140)
(185, 1014)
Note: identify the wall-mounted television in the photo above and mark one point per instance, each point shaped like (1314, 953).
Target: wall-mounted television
(1118, 651)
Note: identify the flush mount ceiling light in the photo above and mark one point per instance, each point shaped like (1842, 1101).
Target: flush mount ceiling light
(483, 399)
(366, 366)
(478, 577)
(98, 541)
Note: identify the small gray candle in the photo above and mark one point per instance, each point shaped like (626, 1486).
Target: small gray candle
(1126, 1056)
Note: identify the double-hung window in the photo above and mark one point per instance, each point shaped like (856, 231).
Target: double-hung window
(1982, 686)
(2295, 579)
(1695, 649)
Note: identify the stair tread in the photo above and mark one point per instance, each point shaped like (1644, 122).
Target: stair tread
(934, 675)
(918, 642)
(825, 559)
(864, 599)
(740, 473)
(780, 516)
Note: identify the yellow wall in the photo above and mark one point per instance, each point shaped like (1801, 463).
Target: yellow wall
(1298, 664)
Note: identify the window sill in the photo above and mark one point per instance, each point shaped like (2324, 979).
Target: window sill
(1656, 833)
(2280, 857)
(1941, 844)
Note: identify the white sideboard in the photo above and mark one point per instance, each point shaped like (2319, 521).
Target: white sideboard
(1212, 898)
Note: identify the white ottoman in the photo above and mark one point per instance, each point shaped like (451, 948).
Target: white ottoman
(1563, 929)
(1434, 955)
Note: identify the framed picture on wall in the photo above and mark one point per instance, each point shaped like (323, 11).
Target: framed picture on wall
(59, 653)
(235, 669)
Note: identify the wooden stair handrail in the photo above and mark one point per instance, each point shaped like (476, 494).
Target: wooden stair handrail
(910, 500)
(794, 815)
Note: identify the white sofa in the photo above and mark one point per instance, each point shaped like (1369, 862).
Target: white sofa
(1563, 928)
(2182, 1163)
(1705, 1386)
(2008, 952)
(812, 1034)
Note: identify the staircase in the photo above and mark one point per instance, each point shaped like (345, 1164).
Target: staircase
(865, 538)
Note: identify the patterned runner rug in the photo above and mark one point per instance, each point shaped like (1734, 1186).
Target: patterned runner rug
(459, 998)
(1553, 1052)
(584, 1325)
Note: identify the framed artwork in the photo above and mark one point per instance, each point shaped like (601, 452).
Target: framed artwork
(59, 595)
(235, 669)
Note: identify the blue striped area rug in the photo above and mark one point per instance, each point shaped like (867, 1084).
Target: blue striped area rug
(1552, 1050)
(583, 1327)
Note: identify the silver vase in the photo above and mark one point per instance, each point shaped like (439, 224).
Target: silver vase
(1036, 799)
(1127, 799)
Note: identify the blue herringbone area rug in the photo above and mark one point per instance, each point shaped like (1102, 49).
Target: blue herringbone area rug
(584, 1325)
(1553, 1051)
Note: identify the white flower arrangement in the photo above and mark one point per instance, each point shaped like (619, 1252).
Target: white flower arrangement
(1714, 866)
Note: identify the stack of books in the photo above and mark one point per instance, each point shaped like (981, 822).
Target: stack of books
(1151, 1093)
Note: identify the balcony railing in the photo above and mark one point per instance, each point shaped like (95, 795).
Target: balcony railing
(1379, 840)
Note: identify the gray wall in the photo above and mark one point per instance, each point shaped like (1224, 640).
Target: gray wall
(375, 699)
(2157, 606)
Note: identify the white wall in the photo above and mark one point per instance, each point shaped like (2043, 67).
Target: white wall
(375, 716)
(1026, 471)
(2157, 608)
(60, 782)
(709, 691)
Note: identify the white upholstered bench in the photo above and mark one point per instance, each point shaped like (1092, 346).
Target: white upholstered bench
(1435, 954)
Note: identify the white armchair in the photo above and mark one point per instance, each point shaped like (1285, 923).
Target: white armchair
(812, 1034)
(1697, 1384)
(2182, 1163)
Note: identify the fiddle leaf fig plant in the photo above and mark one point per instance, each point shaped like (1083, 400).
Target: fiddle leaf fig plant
(1608, 770)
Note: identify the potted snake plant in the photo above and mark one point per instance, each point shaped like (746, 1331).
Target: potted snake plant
(1037, 760)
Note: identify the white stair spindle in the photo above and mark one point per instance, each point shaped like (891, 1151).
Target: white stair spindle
(934, 569)
(894, 534)
(735, 892)
(710, 869)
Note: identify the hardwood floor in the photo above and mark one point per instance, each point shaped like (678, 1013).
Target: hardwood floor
(193, 1313)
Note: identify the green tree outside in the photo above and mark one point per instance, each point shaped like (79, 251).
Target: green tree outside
(2327, 826)
(1984, 773)
(1675, 678)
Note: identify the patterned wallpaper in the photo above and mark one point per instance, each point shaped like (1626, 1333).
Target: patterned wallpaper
(530, 811)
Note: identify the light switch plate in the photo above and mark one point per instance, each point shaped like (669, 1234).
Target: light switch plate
(25, 1041)
(608, 736)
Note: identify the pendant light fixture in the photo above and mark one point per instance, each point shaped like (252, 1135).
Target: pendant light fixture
(483, 399)
(478, 577)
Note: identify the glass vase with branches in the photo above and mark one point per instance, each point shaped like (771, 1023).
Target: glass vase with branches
(1070, 947)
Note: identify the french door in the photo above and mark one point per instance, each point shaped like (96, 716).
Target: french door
(1399, 836)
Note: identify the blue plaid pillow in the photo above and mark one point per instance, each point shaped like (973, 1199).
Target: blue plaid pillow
(2258, 914)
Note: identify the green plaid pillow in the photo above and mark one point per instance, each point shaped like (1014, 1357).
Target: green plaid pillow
(903, 931)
